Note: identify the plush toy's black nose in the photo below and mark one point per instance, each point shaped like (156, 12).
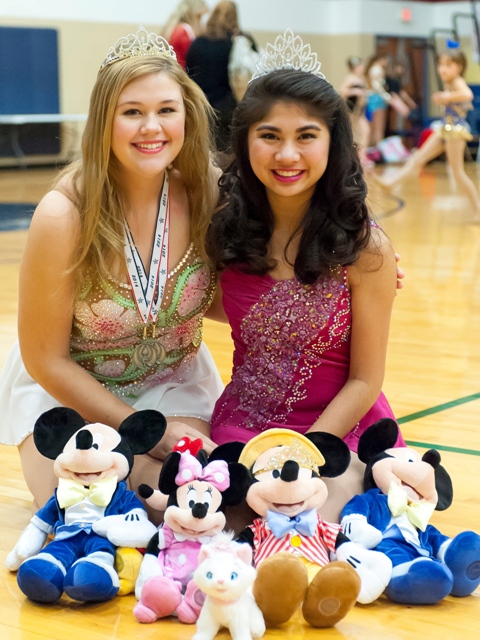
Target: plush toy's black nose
(290, 471)
(84, 439)
(199, 510)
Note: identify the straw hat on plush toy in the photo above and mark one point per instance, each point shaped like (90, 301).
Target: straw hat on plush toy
(294, 445)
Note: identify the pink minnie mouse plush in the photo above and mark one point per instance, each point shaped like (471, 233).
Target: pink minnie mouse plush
(402, 489)
(199, 487)
(91, 512)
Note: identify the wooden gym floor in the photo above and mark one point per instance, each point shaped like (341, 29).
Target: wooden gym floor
(432, 382)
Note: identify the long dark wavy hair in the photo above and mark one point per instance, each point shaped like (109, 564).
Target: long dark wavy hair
(335, 227)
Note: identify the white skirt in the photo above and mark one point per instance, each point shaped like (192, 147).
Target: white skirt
(22, 400)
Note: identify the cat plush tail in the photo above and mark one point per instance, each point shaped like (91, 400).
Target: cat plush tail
(225, 574)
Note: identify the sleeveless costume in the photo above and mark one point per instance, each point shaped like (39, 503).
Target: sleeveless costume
(454, 122)
(107, 340)
(292, 346)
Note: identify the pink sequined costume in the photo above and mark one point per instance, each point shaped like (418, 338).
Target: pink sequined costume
(292, 345)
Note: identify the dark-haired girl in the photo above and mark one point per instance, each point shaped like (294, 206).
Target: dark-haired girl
(308, 281)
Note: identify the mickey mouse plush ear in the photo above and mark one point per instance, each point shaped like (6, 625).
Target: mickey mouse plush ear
(54, 428)
(380, 436)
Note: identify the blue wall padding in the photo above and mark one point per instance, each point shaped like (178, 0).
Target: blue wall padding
(28, 70)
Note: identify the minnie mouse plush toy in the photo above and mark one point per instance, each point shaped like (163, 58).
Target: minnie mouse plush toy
(402, 489)
(199, 488)
(91, 512)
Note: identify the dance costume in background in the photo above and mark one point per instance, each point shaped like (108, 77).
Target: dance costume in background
(356, 102)
(162, 366)
(378, 96)
(180, 39)
(291, 358)
(454, 123)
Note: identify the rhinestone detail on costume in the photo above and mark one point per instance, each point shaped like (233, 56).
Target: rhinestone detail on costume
(287, 330)
(107, 329)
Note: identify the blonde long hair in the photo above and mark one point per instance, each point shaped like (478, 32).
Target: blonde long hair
(97, 189)
(186, 11)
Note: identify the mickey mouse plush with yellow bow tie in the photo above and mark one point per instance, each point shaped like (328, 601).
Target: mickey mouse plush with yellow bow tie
(91, 512)
(402, 489)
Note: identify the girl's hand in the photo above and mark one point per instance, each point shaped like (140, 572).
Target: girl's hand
(176, 431)
(400, 273)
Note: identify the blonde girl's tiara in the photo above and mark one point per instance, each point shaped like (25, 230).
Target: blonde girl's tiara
(138, 44)
(287, 52)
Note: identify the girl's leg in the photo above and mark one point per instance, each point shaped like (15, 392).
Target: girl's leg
(431, 148)
(378, 125)
(455, 148)
(38, 473)
(342, 489)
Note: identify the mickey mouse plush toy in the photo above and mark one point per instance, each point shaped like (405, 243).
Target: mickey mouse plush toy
(199, 488)
(91, 512)
(292, 545)
(402, 489)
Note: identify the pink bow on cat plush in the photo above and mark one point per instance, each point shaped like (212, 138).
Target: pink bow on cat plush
(216, 472)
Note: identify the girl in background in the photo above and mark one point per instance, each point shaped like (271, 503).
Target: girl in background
(184, 25)
(454, 132)
(378, 97)
(354, 90)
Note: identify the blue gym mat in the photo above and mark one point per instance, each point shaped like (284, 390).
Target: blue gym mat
(15, 215)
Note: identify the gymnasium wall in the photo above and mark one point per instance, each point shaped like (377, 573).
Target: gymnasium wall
(334, 28)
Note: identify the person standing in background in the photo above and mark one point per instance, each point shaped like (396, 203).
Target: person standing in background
(184, 25)
(207, 64)
(354, 90)
(378, 97)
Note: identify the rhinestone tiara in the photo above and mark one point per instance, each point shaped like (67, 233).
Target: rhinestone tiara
(287, 52)
(297, 452)
(138, 44)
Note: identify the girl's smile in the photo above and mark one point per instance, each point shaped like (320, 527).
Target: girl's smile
(288, 152)
(149, 124)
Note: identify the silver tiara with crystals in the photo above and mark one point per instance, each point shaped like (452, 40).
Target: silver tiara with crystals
(138, 44)
(287, 52)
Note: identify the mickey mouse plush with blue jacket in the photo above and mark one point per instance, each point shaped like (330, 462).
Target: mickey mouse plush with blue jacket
(402, 489)
(91, 512)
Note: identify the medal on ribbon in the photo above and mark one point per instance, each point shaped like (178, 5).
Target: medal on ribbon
(148, 289)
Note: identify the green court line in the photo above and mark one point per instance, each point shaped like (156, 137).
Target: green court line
(429, 445)
(437, 409)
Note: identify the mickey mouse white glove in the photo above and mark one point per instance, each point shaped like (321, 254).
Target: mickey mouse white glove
(132, 529)
(357, 529)
(373, 567)
(31, 541)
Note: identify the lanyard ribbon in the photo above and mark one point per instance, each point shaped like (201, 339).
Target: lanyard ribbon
(148, 290)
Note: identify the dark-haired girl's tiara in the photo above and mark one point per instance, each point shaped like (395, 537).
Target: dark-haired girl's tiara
(287, 52)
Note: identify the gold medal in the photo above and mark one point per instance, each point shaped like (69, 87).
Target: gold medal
(149, 352)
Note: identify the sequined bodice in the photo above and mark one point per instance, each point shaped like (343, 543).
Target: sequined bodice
(108, 333)
(456, 110)
(282, 332)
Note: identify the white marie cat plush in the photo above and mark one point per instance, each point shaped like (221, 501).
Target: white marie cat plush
(225, 574)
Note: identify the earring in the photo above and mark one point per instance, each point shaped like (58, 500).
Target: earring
(170, 166)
